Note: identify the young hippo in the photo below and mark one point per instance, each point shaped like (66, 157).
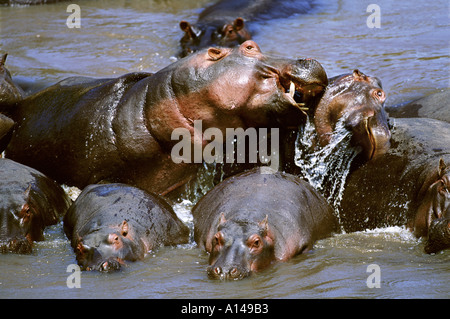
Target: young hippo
(112, 223)
(29, 202)
(258, 217)
(81, 131)
(409, 185)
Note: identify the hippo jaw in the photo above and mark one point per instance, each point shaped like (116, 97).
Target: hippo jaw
(372, 134)
(240, 248)
(105, 253)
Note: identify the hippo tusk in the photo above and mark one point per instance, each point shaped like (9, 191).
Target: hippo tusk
(292, 89)
(300, 106)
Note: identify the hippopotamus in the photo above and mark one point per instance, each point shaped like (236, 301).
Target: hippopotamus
(358, 101)
(81, 131)
(29, 202)
(109, 224)
(258, 217)
(407, 186)
(6, 125)
(10, 93)
(434, 106)
(225, 23)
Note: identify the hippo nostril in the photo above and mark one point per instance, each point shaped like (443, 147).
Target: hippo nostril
(217, 270)
(233, 271)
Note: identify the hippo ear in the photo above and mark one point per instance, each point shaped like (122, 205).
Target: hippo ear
(216, 54)
(186, 27)
(442, 168)
(359, 76)
(27, 192)
(3, 60)
(264, 224)
(222, 219)
(124, 229)
(238, 24)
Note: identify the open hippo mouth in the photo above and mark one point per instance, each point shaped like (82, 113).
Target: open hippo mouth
(303, 82)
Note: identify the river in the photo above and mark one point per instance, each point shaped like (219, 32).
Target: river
(409, 53)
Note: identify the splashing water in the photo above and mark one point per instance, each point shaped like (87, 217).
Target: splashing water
(326, 168)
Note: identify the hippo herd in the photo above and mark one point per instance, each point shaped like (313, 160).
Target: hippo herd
(112, 138)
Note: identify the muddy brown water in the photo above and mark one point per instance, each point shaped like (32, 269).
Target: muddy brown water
(409, 52)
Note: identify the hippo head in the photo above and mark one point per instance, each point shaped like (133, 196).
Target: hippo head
(239, 248)
(234, 87)
(201, 36)
(106, 249)
(433, 216)
(358, 101)
(9, 92)
(21, 221)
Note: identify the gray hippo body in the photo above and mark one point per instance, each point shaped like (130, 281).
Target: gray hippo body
(407, 186)
(434, 106)
(112, 223)
(254, 218)
(83, 131)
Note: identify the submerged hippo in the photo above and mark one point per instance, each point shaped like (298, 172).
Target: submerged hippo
(82, 131)
(257, 217)
(10, 93)
(434, 106)
(224, 23)
(29, 201)
(409, 185)
(112, 223)
(358, 100)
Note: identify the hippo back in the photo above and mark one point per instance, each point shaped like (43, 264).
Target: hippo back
(108, 205)
(384, 192)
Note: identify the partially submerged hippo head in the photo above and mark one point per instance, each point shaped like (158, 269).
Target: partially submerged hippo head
(239, 248)
(433, 216)
(10, 93)
(23, 217)
(107, 248)
(358, 100)
(203, 35)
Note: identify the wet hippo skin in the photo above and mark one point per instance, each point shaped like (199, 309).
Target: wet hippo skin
(82, 131)
(29, 202)
(112, 223)
(257, 217)
(409, 185)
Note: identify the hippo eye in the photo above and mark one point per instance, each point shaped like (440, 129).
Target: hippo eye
(379, 95)
(254, 243)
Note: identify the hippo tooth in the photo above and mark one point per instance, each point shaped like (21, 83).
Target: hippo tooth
(292, 89)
